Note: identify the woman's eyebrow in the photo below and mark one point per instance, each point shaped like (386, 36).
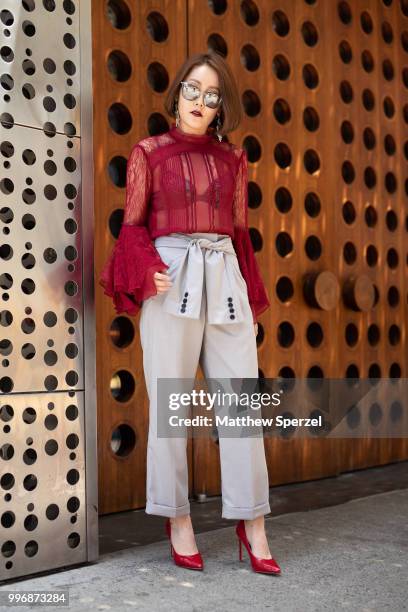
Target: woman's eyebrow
(211, 87)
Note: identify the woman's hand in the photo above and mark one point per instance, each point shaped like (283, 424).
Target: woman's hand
(162, 281)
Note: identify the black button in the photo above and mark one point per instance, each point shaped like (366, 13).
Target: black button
(230, 299)
(231, 310)
(184, 300)
(186, 294)
(232, 316)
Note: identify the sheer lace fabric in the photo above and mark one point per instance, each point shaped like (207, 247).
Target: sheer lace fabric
(178, 182)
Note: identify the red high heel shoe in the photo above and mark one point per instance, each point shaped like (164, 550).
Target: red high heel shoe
(264, 566)
(194, 562)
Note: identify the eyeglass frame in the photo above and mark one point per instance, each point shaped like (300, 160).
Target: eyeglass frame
(199, 96)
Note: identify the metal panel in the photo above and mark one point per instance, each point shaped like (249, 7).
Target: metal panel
(48, 461)
(40, 71)
(43, 510)
(42, 274)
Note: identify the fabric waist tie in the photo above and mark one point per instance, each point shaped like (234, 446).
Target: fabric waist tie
(206, 263)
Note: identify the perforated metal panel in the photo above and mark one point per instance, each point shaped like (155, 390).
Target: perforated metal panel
(47, 465)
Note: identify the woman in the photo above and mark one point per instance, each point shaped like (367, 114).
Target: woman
(184, 256)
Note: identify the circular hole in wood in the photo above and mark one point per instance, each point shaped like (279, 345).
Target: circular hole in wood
(345, 52)
(313, 247)
(284, 289)
(347, 132)
(392, 258)
(216, 43)
(368, 99)
(118, 14)
(366, 22)
(157, 77)
(285, 334)
(351, 334)
(280, 23)
(122, 385)
(388, 70)
(349, 212)
(119, 118)
(121, 332)
(157, 26)
(347, 172)
(309, 33)
(373, 334)
(249, 12)
(312, 204)
(282, 155)
(387, 33)
(123, 440)
(369, 139)
(367, 61)
(370, 177)
(349, 253)
(370, 216)
(250, 58)
(281, 111)
(344, 12)
(119, 66)
(283, 200)
(283, 244)
(251, 103)
(391, 220)
(346, 92)
(371, 255)
(389, 108)
(311, 119)
(393, 297)
(314, 334)
(310, 76)
(281, 67)
(157, 124)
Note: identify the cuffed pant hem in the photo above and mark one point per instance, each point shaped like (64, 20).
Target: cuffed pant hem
(248, 514)
(169, 511)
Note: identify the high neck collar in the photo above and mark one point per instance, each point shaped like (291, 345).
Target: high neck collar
(178, 134)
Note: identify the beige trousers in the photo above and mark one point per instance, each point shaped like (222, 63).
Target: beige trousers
(173, 346)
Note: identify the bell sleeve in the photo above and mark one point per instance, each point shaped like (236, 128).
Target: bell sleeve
(127, 275)
(257, 295)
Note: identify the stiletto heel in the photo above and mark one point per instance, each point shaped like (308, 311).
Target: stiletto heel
(194, 562)
(264, 566)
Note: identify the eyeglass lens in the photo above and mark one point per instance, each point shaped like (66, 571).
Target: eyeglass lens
(190, 92)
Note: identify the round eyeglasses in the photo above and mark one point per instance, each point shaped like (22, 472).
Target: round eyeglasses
(190, 91)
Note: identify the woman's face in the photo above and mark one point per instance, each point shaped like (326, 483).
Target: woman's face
(206, 79)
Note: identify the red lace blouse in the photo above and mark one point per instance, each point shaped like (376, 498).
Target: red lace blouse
(179, 182)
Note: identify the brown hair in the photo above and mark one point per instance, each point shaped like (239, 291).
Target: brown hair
(230, 110)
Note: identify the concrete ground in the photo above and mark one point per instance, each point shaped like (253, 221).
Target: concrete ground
(351, 556)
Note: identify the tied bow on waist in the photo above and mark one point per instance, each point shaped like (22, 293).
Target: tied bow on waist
(204, 263)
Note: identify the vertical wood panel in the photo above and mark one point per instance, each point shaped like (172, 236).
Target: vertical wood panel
(193, 26)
